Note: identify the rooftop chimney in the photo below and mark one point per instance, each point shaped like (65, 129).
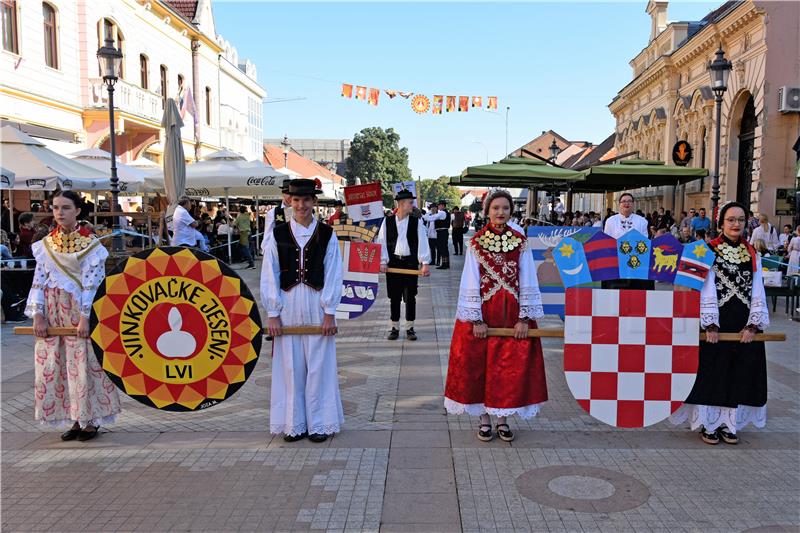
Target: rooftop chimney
(658, 17)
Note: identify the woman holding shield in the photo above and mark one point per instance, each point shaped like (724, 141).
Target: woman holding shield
(497, 376)
(70, 386)
(731, 386)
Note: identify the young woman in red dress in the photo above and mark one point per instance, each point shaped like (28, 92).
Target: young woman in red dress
(498, 376)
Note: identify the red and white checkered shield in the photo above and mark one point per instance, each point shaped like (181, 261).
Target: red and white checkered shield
(631, 356)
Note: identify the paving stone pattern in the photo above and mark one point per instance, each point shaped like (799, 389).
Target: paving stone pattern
(400, 464)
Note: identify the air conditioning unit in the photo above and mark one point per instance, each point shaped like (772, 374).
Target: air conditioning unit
(789, 99)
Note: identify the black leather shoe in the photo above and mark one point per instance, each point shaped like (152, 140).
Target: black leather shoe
(411, 334)
(394, 334)
(294, 438)
(72, 433)
(88, 434)
(317, 437)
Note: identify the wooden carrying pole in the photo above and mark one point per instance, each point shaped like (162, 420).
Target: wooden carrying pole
(492, 332)
(409, 271)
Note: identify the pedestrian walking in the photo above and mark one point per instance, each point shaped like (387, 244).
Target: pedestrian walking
(731, 386)
(442, 225)
(498, 376)
(242, 224)
(403, 245)
(430, 232)
(71, 388)
(301, 285)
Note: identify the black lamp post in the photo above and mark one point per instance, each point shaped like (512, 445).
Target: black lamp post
(720, 69)
(286, 145)
(554, 151)
(110, 60)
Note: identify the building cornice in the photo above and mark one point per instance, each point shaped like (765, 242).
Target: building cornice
(44, 100)
(709, 37)
(179, 23)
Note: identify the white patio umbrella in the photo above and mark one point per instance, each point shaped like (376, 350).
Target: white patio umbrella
(173, 175)
(226, 173)
(38, 168)
(6, 179)
(131, 179)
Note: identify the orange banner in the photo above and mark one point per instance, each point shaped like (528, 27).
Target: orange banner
(374, 95)
(361, 93)
(463, 104)
(492, 102)
(437, 104)
(347, 90)
(477, 101)
(451, 104)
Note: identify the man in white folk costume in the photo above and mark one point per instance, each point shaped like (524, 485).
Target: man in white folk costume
(617, 226)
(278, 215)
(404, 244)
(301, 285)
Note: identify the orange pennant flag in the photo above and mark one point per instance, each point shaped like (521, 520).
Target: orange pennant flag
(492, 102)
(361, 92)
(451, 104)
(437, 104)
(477, 101)
(463, 103)
(374, 94)
(347, 90)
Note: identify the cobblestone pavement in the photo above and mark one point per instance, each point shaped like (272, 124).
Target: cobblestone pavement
(400, 464)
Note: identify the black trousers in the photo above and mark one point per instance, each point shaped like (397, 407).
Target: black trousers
(402, 287)
(434, 246)
(443, 247)
(458, 241)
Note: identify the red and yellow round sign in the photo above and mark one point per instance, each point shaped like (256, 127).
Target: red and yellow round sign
(176, 329)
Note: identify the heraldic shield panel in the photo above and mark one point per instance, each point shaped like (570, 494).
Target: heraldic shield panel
(176, 329)
(631, 356)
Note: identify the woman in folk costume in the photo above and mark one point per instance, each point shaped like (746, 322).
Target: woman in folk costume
(497, 376)
(69, 384)
(731, 386)
(301, 285)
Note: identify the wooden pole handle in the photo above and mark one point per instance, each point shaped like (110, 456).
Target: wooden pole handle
(409, 271)
(298, 330)
(532, 332)
(51, 331)
(759, 337)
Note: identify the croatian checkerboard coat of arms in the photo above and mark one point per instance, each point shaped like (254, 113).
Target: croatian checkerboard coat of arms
(631, 356)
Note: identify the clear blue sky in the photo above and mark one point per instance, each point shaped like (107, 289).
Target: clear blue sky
(557, 65)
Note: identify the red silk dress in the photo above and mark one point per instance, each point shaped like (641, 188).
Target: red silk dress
(496, 375)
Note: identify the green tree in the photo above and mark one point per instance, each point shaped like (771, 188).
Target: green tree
(433, 190)
(375, 154)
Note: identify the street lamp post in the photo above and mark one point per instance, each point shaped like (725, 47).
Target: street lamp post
(110, 60)
(554, 151)
(286, 145)
(720, 69)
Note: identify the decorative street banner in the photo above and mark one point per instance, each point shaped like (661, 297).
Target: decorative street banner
(666, 251)
(542, 240)
(361, 265)
(693, 267)
(176, 329)
(631, 356)
(364, 202)
(407, 185)
(421, 103)
(633, 250)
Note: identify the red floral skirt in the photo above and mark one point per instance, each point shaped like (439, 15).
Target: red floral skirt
(497, 372)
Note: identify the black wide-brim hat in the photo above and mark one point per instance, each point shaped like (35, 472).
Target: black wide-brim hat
(403, 194)
(303, 187)
(442, 202)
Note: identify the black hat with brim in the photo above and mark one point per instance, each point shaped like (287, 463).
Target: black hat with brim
(285, 186)
(303, 187)
(403, 194)
(442, 202)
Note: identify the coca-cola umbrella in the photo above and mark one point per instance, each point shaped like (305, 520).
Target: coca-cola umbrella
(227, 173)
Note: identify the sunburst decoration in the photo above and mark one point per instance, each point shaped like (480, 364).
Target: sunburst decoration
(176, 329)
(420, 103)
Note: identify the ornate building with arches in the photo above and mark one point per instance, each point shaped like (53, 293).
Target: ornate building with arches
(670, 99)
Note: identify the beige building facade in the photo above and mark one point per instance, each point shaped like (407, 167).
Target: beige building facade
(670, 99)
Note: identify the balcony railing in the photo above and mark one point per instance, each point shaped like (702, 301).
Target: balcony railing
(127, 97)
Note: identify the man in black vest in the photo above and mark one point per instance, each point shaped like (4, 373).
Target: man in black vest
(278, 215)
(404, 244)
(442, 233)
(301, 285)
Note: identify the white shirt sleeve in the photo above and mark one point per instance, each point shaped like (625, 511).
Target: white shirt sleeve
(469, 291)
(269, 225)
(423, 247)
(35, 304)
(609, 227)
(641, 225)
(530, 297)
(709, 309)
(759, 308)
(332, 287)
(381, 239)
(93, 271)
(271, 293)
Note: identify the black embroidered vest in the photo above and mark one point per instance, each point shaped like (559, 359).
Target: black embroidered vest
(443, 224)
(312, 271)
(280, 215)
(412, 236)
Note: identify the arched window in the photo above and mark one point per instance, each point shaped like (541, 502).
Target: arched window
(164, 82)
(50, 35)
(9, 16)
(107, 28)
(144, 71)
(208, 105)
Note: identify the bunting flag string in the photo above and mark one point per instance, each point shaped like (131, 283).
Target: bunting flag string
(421, 103)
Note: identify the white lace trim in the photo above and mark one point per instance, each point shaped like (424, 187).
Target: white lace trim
(712, 417)
(468, 314)
(476, 409)
(708, 319)
(760, 319)
(531, 312)
(299, 429)
(67, 423)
